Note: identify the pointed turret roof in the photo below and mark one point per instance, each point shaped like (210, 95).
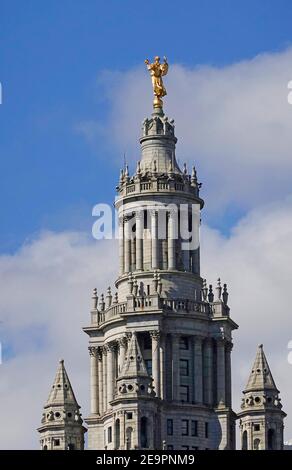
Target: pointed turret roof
(134, 365)
(61, 391)
(260, 377)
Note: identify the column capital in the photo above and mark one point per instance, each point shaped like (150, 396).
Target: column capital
(229, 346)
(128, 336)
(155, 335)
(111, 347)
(139, 214)
(93, 351)
(99, 353)
(122, 342)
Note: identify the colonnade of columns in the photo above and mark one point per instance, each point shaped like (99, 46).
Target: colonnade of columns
(209, 370)
(163, 244)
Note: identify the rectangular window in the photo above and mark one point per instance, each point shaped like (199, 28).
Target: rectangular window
(184, 393)
(56, 442)
(184, 427)
(109, 434)
(148, 364)
(257, 427)
(184, 342)
(194, 428)
(169, 427)
(129, 415)
(206, 430)
(184, 367)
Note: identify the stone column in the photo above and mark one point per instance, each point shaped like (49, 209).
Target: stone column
(195, 255)
(122, 353)
(228, 384)
(154, 240)
(133, 252)
(185, 257)
(175, 367)
(121, 246)
(171, 241)
(139, 240)
(221, 372)
(162, 366)
(198, 369)
(104, 372)
(155, 337)
(94, 405)
(100, 380)
(208, 372)
(127, 245)
(110, 372)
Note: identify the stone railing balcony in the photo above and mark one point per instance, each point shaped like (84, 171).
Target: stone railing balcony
(185, 306)
(157, 185)
(148, 303)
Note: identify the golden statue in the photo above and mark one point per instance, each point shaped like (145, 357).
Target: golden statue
(157, 71)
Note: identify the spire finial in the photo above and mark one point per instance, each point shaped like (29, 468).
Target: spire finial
(219, 288)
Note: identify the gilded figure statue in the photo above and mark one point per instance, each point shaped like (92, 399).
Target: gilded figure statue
(157, 71)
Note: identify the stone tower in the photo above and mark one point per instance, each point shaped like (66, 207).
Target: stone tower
(261, 418)
(61, 427)
(160, 346)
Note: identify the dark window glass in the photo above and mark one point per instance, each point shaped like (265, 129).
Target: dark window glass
(109, 434)
(148, 364)
(184, 393)
(194, 427)
(184, 427)
(147, 342)
(169, 427)
(206, 430)
(184, 367)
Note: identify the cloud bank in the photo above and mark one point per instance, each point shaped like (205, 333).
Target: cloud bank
(233, 122)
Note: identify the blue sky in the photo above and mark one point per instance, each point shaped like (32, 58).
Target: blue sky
(75, 90)
(52, 54)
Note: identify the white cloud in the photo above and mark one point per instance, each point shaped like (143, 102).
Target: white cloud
(256, 262)
(234, 122)
(45, 293)
(44, 302)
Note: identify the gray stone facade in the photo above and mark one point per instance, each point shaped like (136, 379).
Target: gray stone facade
(160, 345)
(61, 426)
(261, 417)
(182, 330)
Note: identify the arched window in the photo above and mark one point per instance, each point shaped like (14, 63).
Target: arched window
(45, 447)
(271, 439)
(117, 434)
(244, 441)
(144, 432)
(257, 444)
